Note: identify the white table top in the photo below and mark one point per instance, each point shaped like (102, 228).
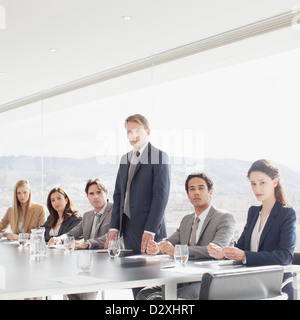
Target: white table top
(57, 273)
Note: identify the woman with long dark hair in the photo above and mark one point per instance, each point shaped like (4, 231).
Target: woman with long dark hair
(269, 236)
(63, 217)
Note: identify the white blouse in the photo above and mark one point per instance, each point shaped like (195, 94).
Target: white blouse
(256, 234)
(20, 224)
(54, 232)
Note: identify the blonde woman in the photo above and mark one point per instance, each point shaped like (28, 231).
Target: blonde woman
(23, 215)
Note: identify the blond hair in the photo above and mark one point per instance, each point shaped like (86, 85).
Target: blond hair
(17, 206)
(140, 119)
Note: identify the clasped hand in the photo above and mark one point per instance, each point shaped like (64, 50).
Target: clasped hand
(78, 244)
(231, 253)
(165, 247)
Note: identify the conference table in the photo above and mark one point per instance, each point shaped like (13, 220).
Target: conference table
(23, 276)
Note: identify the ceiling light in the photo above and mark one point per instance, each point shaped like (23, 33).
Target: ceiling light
(52, 49)
(2, 74)
(126, 18)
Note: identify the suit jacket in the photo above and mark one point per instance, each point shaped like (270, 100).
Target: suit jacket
(149, 193)
(37, 216)
(65, 227)
(278, 238)
(84, 228)
(218, 227)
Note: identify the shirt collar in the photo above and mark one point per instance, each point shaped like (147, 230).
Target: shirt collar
(203, 215)
(101, 211)
(141, 150)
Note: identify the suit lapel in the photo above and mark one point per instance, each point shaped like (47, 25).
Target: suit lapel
(30, 215)
(125, 169)
(206, 221)
(188, 229)
(102, 217)
(251, 227)
(89, 227)
(144, 158)
(269, 223)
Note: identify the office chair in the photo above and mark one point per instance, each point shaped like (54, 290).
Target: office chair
(296, 258)
(251, 283)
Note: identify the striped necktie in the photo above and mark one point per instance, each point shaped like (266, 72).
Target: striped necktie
(134, 161)
(194, 231)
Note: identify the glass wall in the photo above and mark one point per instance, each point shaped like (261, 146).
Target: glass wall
(219, 121)
(21, 145)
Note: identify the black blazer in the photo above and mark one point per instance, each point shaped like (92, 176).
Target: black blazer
(65, 227)
(149, 193)
(278, 239)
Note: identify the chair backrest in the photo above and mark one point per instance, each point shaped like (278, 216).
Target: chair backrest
(296, 258)
(249, 283)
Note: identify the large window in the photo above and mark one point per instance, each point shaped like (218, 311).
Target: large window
(218, 121)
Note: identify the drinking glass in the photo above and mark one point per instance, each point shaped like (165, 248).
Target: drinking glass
(114, 248)
(22, 239)
(181, 254)
(84, 261)
(69, 244)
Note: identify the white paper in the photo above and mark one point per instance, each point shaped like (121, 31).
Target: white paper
(186, 270)
(79, 280)
(106, 251)
(160, 257)
(5, 241)
(216, 262)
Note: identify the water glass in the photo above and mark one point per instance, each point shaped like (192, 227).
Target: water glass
(114, 248)
(181, 254)
(37, 243)
(22, 239)
(84, 261)
(69, 244)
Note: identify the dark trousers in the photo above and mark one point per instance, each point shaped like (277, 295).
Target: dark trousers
(132, 236)
(132, 240)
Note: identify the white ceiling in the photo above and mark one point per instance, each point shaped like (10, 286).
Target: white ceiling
(90, 36)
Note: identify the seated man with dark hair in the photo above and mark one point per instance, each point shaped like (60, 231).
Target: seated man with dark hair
(207, 224)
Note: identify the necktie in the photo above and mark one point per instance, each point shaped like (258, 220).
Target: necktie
(96, 223)
(194, 230)
(134, 161)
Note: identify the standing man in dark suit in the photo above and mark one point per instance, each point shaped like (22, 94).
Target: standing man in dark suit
(141, 190)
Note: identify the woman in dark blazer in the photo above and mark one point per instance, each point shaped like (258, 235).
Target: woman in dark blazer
(269, 236)
(63, 217)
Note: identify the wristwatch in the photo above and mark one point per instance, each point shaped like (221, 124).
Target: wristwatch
(88, 243)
